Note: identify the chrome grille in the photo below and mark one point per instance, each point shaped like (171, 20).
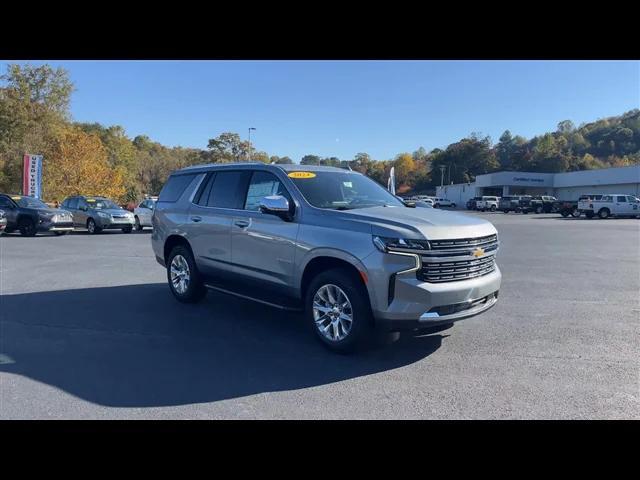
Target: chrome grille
(455, 260)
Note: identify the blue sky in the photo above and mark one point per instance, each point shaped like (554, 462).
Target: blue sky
(339, 108)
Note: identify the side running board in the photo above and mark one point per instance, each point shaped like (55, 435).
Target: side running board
(253, 299)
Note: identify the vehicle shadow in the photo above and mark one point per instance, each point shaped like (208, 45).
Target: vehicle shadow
(136, 346)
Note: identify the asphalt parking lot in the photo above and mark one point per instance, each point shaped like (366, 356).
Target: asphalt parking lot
(89, 330)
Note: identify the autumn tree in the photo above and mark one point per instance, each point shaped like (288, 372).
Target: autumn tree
(78, 164)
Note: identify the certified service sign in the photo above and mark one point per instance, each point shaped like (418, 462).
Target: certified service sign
(32, 176)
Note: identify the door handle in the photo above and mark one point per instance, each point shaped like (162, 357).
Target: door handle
(242, 223)
(196, 219)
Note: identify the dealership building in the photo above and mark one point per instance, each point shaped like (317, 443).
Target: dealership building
(563, 186)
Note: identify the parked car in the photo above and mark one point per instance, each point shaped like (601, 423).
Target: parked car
(615, 205)
(515, 203)
(98, 213)
(324, 240)
(143, 212)
(443, 202)
(30, 215)
(472, 203)
(487, 203)
(543, 204)
(3, 221)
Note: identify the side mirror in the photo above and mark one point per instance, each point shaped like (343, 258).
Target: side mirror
(276, 205)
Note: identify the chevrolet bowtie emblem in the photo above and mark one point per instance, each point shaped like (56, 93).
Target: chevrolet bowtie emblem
(478, 252)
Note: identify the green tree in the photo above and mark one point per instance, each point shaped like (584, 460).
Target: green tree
(228, 147)
(310, 160)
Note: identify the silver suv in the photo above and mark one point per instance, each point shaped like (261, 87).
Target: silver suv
(324, 240)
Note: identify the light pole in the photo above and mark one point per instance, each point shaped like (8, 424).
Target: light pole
(442, 169)
(250, 128)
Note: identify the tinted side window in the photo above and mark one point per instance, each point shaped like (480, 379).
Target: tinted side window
(228, 189)
(202, 197)
(621, 198)
(262, 185)
(175, 187)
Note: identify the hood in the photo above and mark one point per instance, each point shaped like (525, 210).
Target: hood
(112, 211)
(429, 223)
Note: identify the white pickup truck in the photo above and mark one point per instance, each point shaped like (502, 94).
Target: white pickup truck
(487, 203)
(614, 205)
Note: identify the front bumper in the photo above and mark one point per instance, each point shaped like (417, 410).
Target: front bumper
(402, 301)
(106, 224)
(46, 226)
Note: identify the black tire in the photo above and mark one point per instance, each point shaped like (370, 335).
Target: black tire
(505, 211)
(27, 227)
(575, 213)
(139, 227)
(493, 208)
(436, 205)
(590, 215)
(362, 319)
(604, 213)
(453, 205)
(92, 228)
(539, 210)
(127, 230)
(195, 290)
(564, 213)
(60, 234)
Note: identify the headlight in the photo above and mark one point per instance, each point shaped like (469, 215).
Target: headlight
(385, 244)
(104, 215)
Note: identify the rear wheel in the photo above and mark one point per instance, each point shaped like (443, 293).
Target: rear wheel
(338, 311)
(590, 214)
(575, 213)
(138, 225)
(604, 213)
(493, 208)
(27, 227)
(539, 209)
(564, 213)
(184, 279)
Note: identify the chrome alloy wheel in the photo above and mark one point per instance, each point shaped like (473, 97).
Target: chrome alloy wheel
(180, 274)
(332, 312)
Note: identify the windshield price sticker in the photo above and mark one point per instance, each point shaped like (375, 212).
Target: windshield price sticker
(16, 198)
(302, 174)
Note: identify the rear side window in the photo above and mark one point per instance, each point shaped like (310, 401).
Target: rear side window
(621, 198)
(72, 202)
(228, 189)
(175, 187)
(202, 197)
(5, 202)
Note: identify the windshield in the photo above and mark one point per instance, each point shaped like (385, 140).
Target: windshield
(342, 191)
(101, 203)
(30, 202)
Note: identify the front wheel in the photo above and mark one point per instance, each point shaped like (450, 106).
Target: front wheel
(27, 227)
(138, 224)
(453, 205)
(493, 208)
(538, 210)
(564, 213)
(575, 213)
(92, 228)
(183, 276)
(338, 311)
(590, 215)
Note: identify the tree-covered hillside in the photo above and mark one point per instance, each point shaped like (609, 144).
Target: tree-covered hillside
(90, 157)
